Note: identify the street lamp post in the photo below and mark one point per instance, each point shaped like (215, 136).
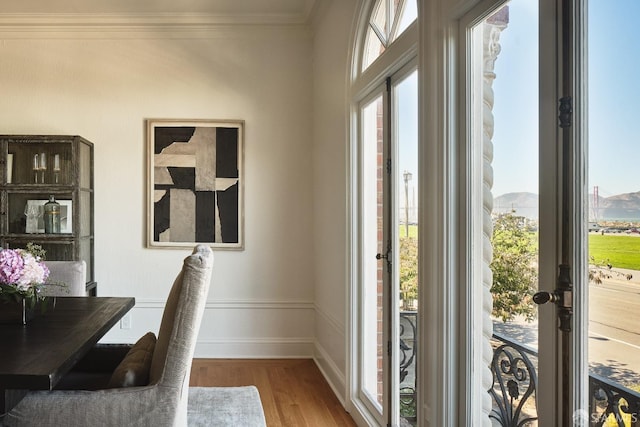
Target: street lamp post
(407, 178)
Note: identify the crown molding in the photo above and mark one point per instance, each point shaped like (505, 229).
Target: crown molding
(148, 26)
(68, 20)
(316, 12)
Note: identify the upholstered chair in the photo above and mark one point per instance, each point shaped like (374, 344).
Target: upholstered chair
(66, 279)
(160, 402)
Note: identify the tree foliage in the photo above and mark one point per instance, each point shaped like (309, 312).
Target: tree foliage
(599, 271)
(514, 268)
(408, 269)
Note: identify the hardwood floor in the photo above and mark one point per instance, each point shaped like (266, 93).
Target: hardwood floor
(293, 391)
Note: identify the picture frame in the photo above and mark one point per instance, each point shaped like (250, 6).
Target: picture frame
(66, 214)
(195, 183)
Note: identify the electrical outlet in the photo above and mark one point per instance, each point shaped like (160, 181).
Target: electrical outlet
(125, 322)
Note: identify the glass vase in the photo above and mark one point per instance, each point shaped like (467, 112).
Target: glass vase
(22, 311)
(16, 312)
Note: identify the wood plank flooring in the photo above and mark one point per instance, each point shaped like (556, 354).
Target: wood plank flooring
(293, 391)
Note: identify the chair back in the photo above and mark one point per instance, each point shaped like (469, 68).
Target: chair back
(70, 275)
(171, 361)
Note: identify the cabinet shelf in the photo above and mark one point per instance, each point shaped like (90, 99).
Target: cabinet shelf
(39, 187)
(40, 236)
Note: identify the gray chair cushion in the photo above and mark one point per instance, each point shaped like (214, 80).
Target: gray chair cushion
(73, 274)
(134, 368)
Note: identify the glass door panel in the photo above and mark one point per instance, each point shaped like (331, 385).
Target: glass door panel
(406, 283)
(504, 163)
(528, 97)
(373, 271)
(614, 212)
(389, 171)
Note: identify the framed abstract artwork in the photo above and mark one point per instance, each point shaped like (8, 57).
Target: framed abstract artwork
(195, 183)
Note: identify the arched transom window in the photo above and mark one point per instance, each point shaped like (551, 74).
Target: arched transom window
(387, 21)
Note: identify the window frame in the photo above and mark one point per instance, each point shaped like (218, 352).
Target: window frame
(398, 58)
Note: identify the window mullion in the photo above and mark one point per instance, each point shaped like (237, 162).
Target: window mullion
(389, 20)
(381, 36)
(395, 21)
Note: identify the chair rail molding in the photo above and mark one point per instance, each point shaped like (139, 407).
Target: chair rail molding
(241, 328)
(142, 303)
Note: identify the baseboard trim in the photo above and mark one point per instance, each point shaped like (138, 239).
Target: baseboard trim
(262, 348)
(331, 372)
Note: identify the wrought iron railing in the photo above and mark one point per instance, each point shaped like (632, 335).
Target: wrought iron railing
(408, 342)
(515, 382)
(612, 403)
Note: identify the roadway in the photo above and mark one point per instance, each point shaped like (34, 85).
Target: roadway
(614, 329)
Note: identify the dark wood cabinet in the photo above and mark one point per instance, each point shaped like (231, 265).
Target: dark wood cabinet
(35, 168)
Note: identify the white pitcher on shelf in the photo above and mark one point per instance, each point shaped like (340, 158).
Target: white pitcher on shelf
(33, 213)
(9, 168)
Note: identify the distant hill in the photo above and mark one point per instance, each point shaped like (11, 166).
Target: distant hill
(621, 207)
(522, 204)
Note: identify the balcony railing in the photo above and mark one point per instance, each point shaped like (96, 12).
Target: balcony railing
(408, 341)
(515, 382)
(613, 403)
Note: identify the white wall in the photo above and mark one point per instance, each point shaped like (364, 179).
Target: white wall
(102, 83)
(330, 149)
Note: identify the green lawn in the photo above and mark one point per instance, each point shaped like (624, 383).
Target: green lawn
(621, 251)
(413, 230)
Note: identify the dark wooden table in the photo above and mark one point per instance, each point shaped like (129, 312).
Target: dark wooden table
(37, 355)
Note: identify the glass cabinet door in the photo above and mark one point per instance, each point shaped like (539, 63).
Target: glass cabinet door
(43, 163)
(26, 212)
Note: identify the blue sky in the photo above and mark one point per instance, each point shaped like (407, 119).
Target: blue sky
(408, 135)
(515, 109)
(614, 92)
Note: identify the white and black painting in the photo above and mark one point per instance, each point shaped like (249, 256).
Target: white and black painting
(195, 183)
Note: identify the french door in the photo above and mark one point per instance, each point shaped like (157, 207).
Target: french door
(524, 195)
(388, 247)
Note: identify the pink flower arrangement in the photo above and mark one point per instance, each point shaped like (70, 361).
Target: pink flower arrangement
(22, 273)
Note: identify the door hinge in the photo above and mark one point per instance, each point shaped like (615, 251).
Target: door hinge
(389, 166)
(386, 256)
(388, 348)
(566, 111)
